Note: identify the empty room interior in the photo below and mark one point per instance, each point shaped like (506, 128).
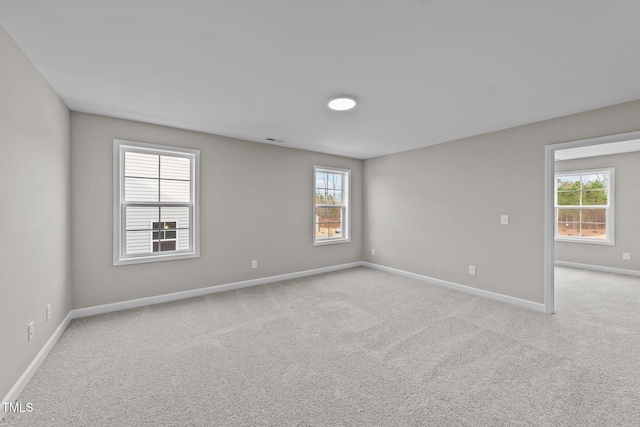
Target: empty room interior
(334, 213)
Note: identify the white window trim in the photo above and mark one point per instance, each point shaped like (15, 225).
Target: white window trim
(119, 257)
(346, 223)
(610, 240)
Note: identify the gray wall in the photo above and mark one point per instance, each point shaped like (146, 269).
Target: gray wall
(34, 171)
(256, 203)
(432, 211)
(627, 221)
(436, 210)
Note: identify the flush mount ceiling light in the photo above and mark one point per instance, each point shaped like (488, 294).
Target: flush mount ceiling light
(342, 103)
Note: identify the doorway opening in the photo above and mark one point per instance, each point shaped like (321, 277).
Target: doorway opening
(606, 145)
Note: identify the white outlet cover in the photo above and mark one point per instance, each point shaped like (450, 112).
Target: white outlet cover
(373, 251)
(472, 270)
(30, 331)
(626, 256)
(504, 219)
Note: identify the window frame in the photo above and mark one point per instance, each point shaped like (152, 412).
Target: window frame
(345, 206)
(120, 147)
(609, 207)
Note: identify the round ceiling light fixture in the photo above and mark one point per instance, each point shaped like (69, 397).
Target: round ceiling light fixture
(342, 103)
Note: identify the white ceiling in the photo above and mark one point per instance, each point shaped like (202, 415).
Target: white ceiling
(425, 71)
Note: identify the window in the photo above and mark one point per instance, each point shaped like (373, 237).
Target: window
(331, 205)
(155, 202)
(584, 206)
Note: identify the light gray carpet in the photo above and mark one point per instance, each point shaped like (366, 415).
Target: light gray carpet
(357, 347)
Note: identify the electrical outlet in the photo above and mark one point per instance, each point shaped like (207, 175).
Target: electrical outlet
(30, 331)
(373, 251)
(48, 312)
(472, 270)
(504, 219)
(254, 263)
(626, 256)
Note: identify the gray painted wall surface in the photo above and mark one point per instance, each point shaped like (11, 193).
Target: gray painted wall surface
(436, 210)
(256, 203)
(627, 208)
(432, 211)
(34, 170)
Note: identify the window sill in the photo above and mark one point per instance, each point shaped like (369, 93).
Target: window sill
(587, 241)
(155, 258)
(330, 242)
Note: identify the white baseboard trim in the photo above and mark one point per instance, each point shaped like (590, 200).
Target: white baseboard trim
(458, 287)
(597, 268)
(19, 386)
(141, 302)
(22, 382)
